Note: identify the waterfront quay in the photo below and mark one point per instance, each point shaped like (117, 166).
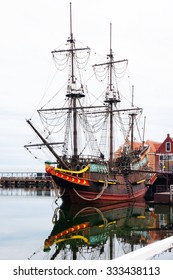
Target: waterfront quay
(27, 180)
(160, 191)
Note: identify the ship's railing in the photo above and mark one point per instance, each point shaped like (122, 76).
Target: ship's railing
(84, 160)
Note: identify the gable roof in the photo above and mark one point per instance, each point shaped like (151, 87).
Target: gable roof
(154, 146)
(162, 146)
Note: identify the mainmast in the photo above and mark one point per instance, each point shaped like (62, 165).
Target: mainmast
(72, 91)
(112, 98)
(112, 95)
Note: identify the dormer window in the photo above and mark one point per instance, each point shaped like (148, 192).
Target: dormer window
(168, 146)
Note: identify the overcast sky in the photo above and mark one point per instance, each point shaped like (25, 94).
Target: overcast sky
(31, 29)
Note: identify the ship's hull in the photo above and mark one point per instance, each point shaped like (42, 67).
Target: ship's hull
(124, 187)
(111, 196)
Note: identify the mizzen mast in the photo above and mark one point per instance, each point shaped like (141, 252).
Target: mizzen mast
(133, 116)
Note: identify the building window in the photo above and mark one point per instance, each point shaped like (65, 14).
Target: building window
(161, 157)
(168, 146)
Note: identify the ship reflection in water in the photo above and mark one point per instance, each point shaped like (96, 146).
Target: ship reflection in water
(105, 232)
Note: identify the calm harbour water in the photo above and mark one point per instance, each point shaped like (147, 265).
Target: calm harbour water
(34, 226)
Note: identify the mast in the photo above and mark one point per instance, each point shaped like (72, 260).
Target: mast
(110, 102)
(72, 92)
(132, 115)
(143, 140)
(71, 40)
(112, 96)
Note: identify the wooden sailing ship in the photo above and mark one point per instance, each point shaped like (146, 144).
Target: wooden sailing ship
(82, 170)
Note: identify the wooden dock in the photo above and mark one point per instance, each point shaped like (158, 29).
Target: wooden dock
(164, 197)
(27, 180)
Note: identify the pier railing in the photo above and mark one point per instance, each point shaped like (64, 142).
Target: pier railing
(23, 174)
(25, 180)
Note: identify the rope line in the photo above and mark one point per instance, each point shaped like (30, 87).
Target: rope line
(97, 196)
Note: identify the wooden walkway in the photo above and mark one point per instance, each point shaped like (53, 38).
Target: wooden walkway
(25, 180)
(163, 198)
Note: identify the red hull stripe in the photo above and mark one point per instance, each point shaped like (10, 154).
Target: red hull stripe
(52, 239)
(71, 179)
(70, 230)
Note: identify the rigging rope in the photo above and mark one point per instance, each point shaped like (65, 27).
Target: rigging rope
(96, 209)
(97, 196)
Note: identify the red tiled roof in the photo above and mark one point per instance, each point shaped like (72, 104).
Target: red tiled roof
(153, 146)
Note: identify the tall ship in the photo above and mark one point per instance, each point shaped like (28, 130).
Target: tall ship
(81, 133)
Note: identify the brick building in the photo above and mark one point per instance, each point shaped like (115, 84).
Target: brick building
(164, 155)
(160, 156)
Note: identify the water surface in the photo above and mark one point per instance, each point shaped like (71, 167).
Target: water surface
(25, 222)
(34, 226)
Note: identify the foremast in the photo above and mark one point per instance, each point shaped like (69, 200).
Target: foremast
(73, 93)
